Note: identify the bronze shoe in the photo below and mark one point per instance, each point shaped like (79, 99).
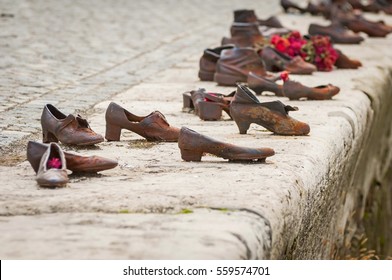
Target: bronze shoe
(153, 127)
(344, 62)
(244, 34)
(208, 62)
(235, 64)
(222, 100)
(295, 90)
(245, 109)
(207, 105)
(319, 9)
(276, 61)
(68, 130)
(267, 27)
(337, 32)
(52, 168)
(74, 162)
(372, 29)
(193, 145)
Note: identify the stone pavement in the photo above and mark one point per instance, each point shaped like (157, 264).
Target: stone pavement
(79, 56)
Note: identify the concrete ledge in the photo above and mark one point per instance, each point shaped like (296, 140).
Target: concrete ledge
(306, 202)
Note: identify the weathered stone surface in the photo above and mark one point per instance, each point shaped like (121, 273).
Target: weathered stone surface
(307, 201)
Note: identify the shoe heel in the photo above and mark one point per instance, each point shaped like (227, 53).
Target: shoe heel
(209, 111)
(113, 132)
(243, 127)
(187, 102)
(191, 155)
(48, 137)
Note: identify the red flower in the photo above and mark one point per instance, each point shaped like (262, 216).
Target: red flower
(282, 44)
(284, 76)
(295, 34)
(274, 39)
(54, 163)
(317, 50)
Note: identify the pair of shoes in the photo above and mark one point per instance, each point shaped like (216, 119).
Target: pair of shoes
(276, 61)
(337, 32)
(314, 9)
(246, 109)
(51, 168)
(194, 145)
(76, 131)
(291, 89)
(229, 65)
(74, 162)
(345, 15)
(207, 105)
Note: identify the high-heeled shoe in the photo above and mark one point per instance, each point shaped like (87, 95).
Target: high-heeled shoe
(74, 162)
(218, 98)
(208, 106)
(69, 129)
(52, 168)
(246, 109)
(193, 145)
(276, 61)
(153, 127)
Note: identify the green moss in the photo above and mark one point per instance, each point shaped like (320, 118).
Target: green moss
(123, 211)
(185, 211)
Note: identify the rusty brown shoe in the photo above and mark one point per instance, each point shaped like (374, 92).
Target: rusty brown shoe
(244, 34)
(337, 32)
(208, 62)
(74, 162)
(153, 127)
(245, 109)
(295, 90)
(235, 64)
(344, 62)
(52, 168)
(250, 16)
(193, 145)
(68, 130)
(207, 105)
